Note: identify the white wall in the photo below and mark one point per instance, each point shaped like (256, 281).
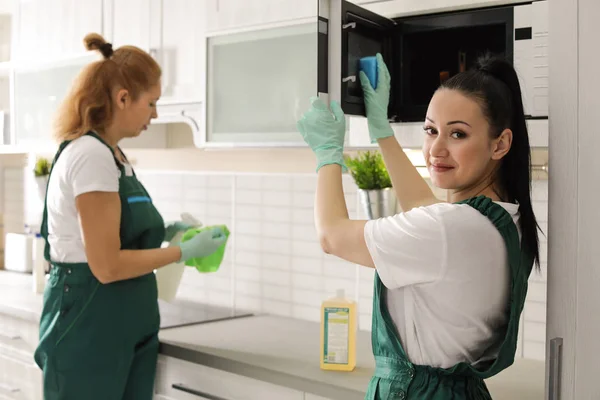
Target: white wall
(274, 263)
(275, 260)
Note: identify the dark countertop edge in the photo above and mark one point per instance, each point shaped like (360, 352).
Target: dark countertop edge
(259, 373)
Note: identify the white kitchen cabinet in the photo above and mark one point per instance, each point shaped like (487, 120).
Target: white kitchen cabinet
(5, 74)
(173, 33)
(130, 23)
(7, 6)
(20, 378)
(5, 37)
(54, 29)
(224, 15)
(259, 84)
(182, 51)
(183, 380)
(170, 33)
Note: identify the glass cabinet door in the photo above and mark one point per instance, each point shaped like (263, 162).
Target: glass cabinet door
(38, 93)
(259, 83)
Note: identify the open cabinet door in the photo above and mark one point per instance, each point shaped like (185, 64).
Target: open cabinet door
(352, 33)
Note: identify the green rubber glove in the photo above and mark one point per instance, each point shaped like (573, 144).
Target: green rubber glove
(187, 222)
(377, 101)
(324, 131)
(174, 228)
(203, 244)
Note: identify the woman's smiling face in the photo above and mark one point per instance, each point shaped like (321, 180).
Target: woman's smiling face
(459, 151)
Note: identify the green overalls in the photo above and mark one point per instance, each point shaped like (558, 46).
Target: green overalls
(99, 341)
(396, 377)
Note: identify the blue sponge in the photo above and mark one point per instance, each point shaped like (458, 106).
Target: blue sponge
(369, 66)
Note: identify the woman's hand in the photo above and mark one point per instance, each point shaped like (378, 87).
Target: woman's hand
(100, 218)
(377, 101)
(203, 244)
(324, 131)
(187, 222)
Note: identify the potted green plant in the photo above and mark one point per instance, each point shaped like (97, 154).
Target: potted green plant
(41, 171)
(375, 191)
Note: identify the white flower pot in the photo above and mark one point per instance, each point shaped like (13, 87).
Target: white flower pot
(42, 186)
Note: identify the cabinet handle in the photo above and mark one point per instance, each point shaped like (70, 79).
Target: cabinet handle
(183, 388)
(555, 369)
(5, 388)
(9, 335)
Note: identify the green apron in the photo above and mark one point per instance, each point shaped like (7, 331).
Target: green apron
(396, 377)
(100, 341)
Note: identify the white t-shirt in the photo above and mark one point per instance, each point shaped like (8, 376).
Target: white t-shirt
(85, 165)
(446, 270)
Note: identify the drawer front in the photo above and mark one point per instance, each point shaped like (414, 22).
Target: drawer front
(12, 328)
(20, 379)
(9, 393)
(183, 380)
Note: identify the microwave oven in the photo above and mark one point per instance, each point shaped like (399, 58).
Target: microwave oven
(424, 50)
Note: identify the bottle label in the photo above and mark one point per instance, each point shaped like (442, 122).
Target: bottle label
(336, 335)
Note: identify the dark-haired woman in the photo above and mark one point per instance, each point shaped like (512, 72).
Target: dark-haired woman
(451, 277)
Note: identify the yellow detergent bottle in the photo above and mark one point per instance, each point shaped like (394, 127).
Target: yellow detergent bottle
(338, 333)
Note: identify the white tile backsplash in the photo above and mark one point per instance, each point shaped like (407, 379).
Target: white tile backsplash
(274, 262)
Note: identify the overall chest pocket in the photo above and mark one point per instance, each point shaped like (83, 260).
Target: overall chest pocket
(142, 226)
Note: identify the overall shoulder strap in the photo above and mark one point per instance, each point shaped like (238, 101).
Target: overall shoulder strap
(44, 226)
(117, 162)
(521, 264)
(61, 148)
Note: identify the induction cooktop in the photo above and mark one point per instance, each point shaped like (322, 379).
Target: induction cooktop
(180, 312)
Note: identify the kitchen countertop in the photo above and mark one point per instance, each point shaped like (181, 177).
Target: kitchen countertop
(18, 299)
(255, 347)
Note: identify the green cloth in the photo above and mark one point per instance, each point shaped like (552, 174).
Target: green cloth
(100, 341)
(210, 263)
(396, 377)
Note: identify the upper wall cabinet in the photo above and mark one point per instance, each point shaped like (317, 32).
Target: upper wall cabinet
(130, 23)
(38, 90)
(224, 15)
(53, 29)
(50, 56)
(182, 51)
(172, 32)
(259, 83)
